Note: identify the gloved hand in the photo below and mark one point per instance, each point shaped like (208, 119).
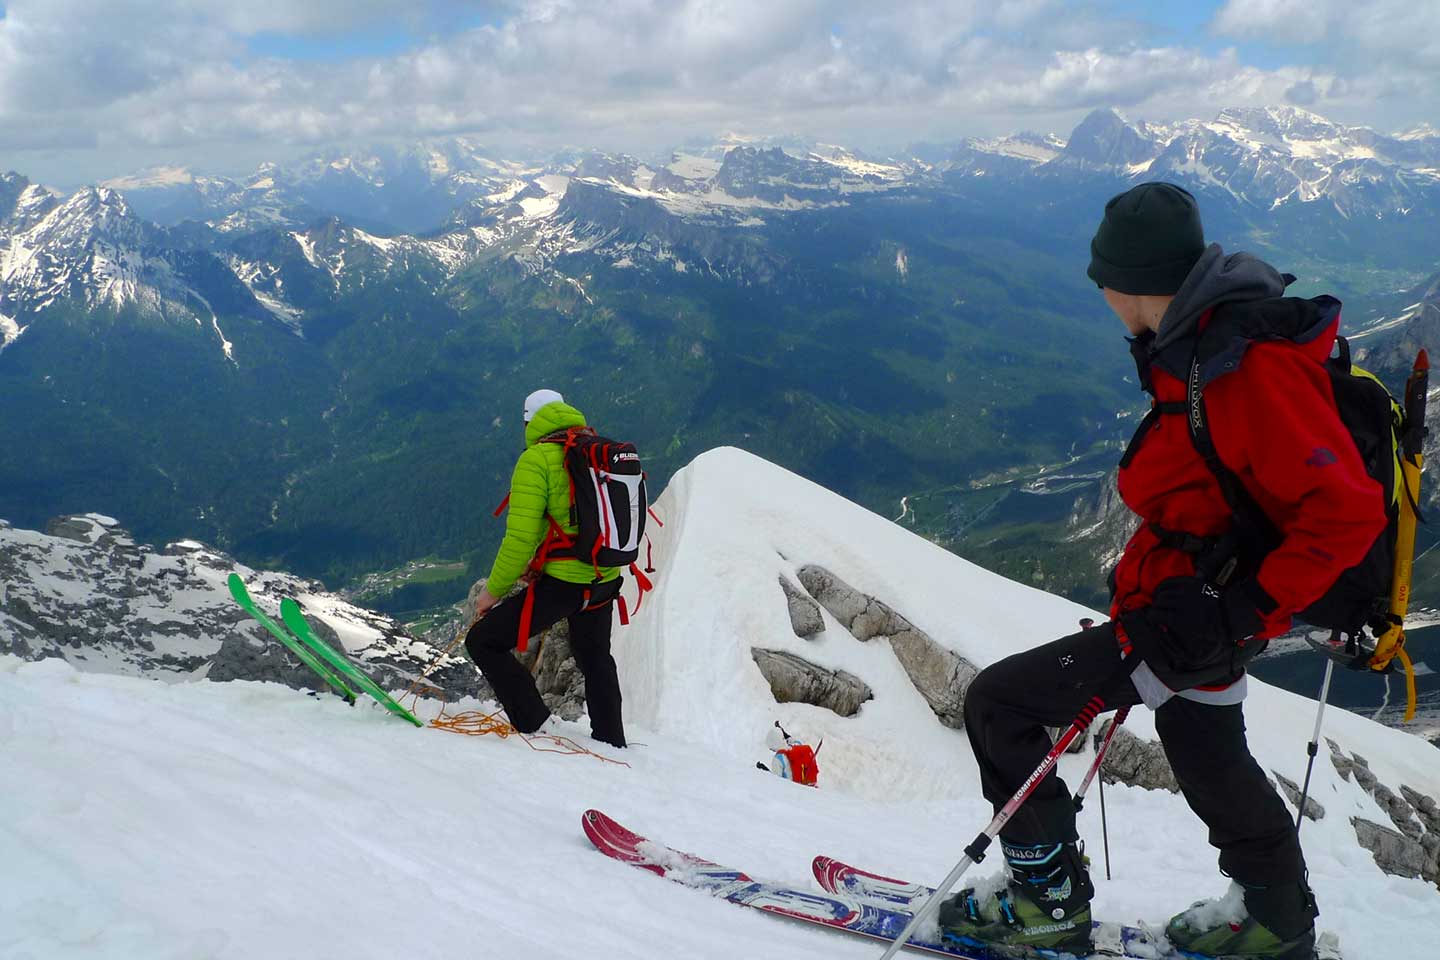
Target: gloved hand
(1202, 620)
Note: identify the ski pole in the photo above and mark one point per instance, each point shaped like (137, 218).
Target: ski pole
(975, 852)
(1099, 756)
(1090, 775)
(1314, 745)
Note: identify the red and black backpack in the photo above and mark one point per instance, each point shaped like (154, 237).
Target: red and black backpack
(608, 505)
(607, 499)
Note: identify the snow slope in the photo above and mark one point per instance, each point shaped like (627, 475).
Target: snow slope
(245, 819)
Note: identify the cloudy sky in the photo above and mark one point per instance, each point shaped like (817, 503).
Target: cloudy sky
(95, 88)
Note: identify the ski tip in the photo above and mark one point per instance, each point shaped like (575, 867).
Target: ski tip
(1422, 361)
(237, 586)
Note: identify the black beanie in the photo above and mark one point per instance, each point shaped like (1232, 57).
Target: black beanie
(1147, 243)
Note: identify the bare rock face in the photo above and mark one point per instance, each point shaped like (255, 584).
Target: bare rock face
(87, 592)
(805, 618)
(794, 679)
(940, 675)
(1411, 848)
(1139, 763)
(1313, 810)
(1394, 852)
(558, 679)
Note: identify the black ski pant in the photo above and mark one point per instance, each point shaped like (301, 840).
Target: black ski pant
(1010, 704)
(587, 607)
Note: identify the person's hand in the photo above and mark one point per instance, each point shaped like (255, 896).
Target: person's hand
(484, 602)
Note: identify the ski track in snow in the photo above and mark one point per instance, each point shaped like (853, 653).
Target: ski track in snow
(243, 820)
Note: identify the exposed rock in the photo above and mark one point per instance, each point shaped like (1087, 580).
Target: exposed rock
(805, 618)
(1343, 764)
(89, 593)
(1313, 810)
(1425, 808)
(844, 602)
(1139, 763)
(1394, 852)
(796, 680)
(1412, 849)
(558, 677)
(940, 675)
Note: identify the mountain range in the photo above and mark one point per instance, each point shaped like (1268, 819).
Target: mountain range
(320, 365)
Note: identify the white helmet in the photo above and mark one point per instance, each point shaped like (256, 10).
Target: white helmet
(538, 399)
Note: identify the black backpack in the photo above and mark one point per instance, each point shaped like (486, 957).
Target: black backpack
(1375, 421)
(607, 498)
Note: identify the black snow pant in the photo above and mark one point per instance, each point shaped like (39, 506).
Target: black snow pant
(1010, 704)
(587, 607)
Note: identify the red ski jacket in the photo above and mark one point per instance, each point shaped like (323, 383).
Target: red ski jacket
(1274, 424)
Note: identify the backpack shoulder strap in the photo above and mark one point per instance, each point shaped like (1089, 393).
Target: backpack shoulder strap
(1251, 526)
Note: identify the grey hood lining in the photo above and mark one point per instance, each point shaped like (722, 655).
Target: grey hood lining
(1215, 279)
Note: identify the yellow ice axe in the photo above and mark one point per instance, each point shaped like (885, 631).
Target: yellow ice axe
(1391, 644)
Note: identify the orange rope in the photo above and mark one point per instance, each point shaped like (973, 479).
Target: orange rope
(473, 723)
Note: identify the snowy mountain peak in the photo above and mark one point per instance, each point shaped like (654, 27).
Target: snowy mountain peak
(1423, 131)
(1105, 139)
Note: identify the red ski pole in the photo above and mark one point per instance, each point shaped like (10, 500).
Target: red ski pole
(975, 852)
(1090, 776)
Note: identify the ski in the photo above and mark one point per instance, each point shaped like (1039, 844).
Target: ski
(247, 603)
(839, 912)
(835, 910)
(835, 876)
(295, 620)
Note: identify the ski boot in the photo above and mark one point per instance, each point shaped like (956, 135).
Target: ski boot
(1229, 927)
(1044, 905)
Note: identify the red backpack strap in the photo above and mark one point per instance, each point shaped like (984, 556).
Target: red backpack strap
(555, 537)
(645, 587)
(527, 615)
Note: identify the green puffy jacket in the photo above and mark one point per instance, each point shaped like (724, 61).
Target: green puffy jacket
(540, 486)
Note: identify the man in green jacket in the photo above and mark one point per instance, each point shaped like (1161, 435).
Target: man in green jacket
(564, 589)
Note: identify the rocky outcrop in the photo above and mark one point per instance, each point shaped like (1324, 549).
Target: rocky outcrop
(805, 618)
(940, 675)
(557, 677)
(1139, 763)
(1394, 852)
(1412, 847)
(794, 679)
(1313, 810)
(87, 592)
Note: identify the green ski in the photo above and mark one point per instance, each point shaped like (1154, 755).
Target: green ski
(295, 620)
(242, 597)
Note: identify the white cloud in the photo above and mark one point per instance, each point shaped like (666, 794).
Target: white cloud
(1386, 52)
(179, 79)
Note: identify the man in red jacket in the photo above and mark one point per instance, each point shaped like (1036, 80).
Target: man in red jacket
(1197, 592)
